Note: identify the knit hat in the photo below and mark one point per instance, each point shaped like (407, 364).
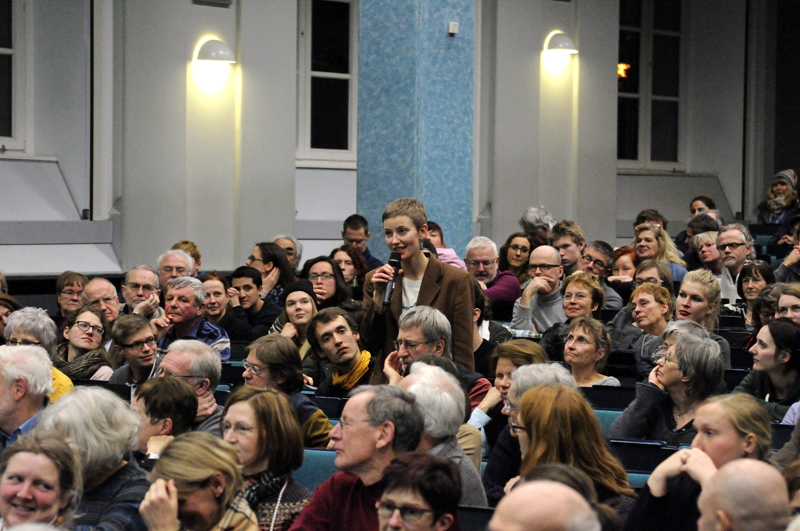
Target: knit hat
(300, 285)
(787, 175)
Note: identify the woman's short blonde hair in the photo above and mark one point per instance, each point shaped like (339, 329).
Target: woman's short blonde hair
(747, 416)
(193, 458)
(659, 293)
(587, 281)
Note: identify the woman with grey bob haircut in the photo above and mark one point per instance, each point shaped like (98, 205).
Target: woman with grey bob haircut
(103, 429)
(689, 370)
(36, 323)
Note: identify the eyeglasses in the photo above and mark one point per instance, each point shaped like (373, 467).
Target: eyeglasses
(252, 259)
(409, 515)
(578, 297)
(476, 263)
(733, 246)
(180, 271)
(754, 262)
(517, 249)
(105, 301)
(23, 342)
(543, 267)
(642, 281)
(408, 345)
(579, 340)
(138, 345)
(83, 326)
(289, 251)
(313, 277)
(514, 427)
(71, 294)
(147, 288)
(164, 373)
(255, 369)
(508, 408)
(239, 429)
(663, 352)
(588, 259)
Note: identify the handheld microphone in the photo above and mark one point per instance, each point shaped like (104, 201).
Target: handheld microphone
(394, 261)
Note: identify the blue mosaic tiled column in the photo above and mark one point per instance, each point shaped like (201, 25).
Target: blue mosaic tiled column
(415, 112)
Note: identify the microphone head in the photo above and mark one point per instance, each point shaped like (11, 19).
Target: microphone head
(394, 260)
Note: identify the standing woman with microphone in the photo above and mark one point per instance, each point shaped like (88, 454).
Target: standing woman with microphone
(415, 280)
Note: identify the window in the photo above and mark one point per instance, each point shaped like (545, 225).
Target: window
(327, 83)
(650, 84)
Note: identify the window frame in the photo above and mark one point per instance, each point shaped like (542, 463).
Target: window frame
(646, 97)
(306, 156)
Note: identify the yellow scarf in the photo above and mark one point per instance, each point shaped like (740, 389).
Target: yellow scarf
(349, 380)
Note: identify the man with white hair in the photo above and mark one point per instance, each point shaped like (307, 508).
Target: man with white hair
(185, 302)
(506, 457)
(25, 382)
(101, 294)
(735, 245)
(173, 264)
(544, 506)
(441, 399)
(425, 330)
(195, 362)
(501, 287)
(728, 503)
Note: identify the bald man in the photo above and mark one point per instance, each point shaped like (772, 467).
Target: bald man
(543, 506)
(540, 306)
(744, 495)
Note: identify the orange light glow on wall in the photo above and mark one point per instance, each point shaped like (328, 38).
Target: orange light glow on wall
(622, 69)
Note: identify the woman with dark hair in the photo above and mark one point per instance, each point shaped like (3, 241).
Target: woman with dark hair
(754, 277)
(729, 427)
(557, 425)
(274, 363)
(421, 492)
(327, 280)
(688, 371)
(218, 309)
(581, 294)
(586, 352)
(276, 271)
(776, 366)
(262, 427)
(514, 255)
(82, 356)
(354, 268)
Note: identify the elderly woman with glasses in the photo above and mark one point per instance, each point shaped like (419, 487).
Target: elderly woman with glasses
(82, 356)
(689, 370)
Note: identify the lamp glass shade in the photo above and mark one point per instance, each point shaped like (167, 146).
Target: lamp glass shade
(214, 50)
(562, 42)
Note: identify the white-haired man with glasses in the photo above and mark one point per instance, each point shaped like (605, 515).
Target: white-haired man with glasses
(540, 305)
(142, 293)
(735, 246)
(501, 287)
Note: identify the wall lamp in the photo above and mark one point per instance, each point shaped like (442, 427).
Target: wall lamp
(214, 50)
(558, 41)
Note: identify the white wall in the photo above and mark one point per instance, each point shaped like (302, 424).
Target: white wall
(218, 170)
(61, 89)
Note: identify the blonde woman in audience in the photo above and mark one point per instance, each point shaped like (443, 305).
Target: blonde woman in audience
(651, 242)
(262, 426)
(706, 245)
(780, 203)
(581, 295)
(197, 485)
(699, 300)
(789, 302)
(40, 482)
(82, 356)
(557, 425)
(586, 352)
(729, 427)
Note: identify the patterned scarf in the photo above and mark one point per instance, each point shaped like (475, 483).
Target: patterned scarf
(258, 487)
(349, 380)
(237, 517)
(84, 366)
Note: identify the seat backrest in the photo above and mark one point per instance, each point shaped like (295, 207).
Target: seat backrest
(317, 467)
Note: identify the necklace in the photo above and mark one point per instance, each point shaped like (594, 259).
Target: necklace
(277, 505)
(679, 415)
